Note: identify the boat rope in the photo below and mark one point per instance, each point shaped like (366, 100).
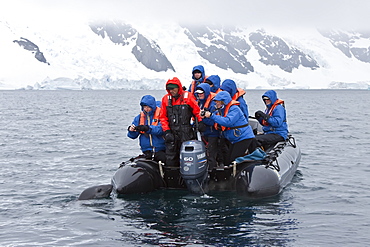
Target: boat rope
(161, 168)
(131, 160)
(272, 156)
(275, 166)
(234, 168)
(274, 153)
(151, 139)
(291, 141)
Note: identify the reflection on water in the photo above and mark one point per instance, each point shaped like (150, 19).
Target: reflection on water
(176, 218)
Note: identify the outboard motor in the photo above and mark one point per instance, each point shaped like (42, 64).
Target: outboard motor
(193, 165)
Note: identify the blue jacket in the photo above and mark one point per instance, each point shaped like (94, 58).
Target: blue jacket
(277, 122)
(210, 130)
(215, 79)
(155, 132)
(201, 79)
(234, 118)
(230, 87)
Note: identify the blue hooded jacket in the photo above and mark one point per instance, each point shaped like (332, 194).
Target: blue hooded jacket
(155, 132)
(210, 130)
(230, 87)
(234, 118)
(277, 122)
(201, 79)
(215, 79)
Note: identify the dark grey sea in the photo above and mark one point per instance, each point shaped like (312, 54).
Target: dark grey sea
(55, 144)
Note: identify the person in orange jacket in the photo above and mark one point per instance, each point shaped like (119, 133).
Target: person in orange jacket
(273, 120)
(148, 128)
(210, 135)
(177, 110)
(236, 94)
(198, 77)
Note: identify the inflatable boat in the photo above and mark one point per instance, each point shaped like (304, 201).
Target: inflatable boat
(258, 175)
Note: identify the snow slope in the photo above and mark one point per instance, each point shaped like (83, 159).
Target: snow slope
(78, 58)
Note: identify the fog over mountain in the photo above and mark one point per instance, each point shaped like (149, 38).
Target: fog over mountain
(114, 53)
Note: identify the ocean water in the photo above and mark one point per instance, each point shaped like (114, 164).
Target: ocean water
(55, 144)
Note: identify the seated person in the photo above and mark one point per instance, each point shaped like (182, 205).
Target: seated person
(230, 119)
(273, 120)
(214, 82)
(148, 127)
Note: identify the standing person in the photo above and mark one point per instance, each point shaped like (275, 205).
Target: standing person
(222, 144)
(273, 120)
(177, 109)
(234, 126)
(210, 136)
(236, 94)
(198, 77)
(214, 81)
(147, 126)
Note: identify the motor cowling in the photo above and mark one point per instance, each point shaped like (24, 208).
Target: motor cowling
(193, 165)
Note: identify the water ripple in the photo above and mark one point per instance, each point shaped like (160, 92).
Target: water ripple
(58, 143)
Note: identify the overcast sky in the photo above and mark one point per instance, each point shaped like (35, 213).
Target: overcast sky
(283, 13)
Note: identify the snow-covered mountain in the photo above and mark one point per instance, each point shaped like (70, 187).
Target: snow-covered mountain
(113, 54)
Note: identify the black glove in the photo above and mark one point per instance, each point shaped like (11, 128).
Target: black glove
(144, 128)
(128, 128)
(169, 136)
(202, 126)
(261, 114)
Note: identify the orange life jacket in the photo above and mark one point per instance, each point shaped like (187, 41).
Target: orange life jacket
(207, 103)
(227, 107)
(277, 102)
(209, 100)
(193, 84)
(239, 92)
(155, 118)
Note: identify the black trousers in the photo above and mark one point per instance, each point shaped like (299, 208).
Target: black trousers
(173, 153)
(181, 134)
(239, 149)
(158, 156)
(212, 144)
(222, 150)
(268, 140)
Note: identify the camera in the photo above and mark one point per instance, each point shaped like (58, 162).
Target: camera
(203, 112)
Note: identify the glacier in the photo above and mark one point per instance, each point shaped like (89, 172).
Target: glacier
(114, 54)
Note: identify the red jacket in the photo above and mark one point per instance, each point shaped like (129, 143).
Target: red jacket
(186, 98)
